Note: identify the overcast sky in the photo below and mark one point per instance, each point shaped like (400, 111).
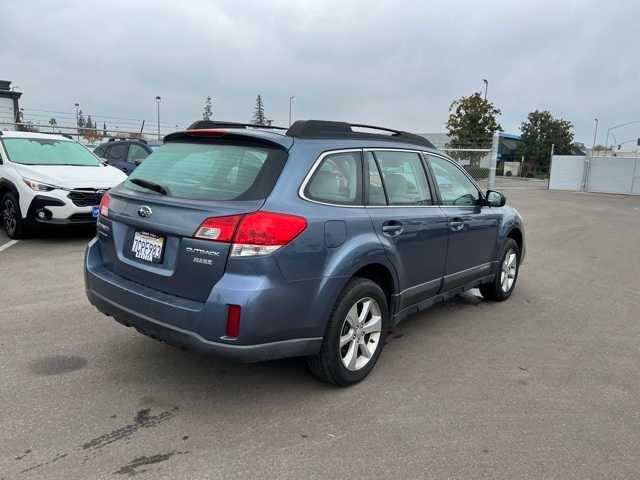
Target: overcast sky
(392, 63)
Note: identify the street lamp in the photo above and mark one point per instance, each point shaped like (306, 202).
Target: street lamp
(77, 105)
(486, 87)
(595, 133)
(158, 102)
(291, 98)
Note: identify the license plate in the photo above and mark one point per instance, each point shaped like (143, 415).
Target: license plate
(147, 246)
(95, 211)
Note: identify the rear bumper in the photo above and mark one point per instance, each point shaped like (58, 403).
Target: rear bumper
(191, 340)
(277, 320)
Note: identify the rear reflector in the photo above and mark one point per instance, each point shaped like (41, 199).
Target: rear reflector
(104, 205)
(233, 321)
(257, 233)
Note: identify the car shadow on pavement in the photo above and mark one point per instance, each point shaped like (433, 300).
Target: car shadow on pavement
(55, 234)
(147, 364)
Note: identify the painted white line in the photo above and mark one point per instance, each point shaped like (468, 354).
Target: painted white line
(8, 244)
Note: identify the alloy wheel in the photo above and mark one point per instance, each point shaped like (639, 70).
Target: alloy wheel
(508, 271)
(360, 334)
(9, 216)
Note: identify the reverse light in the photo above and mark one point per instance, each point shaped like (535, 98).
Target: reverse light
(39, 186)
(258, 233)
(104, 205)
(220, 229)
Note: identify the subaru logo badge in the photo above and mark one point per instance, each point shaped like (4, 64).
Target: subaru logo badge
(144, 211)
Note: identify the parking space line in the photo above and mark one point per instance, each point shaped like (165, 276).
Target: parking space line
(8, 244)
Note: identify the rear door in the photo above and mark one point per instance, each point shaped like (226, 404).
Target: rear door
(148, 233)
(473, 229)
(412, 229)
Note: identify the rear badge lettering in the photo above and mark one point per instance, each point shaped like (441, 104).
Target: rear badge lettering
(201, 251)
(203, 261)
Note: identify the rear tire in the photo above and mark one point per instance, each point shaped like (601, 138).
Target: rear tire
(355, 335)
(504, 284)
(12, 220)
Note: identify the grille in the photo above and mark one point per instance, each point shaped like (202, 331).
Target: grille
(86, 198)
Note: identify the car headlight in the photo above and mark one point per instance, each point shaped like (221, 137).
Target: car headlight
(39, 186)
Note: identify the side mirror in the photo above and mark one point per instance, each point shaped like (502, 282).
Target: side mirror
(495, 199)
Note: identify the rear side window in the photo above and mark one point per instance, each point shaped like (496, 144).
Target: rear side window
(337, 180)
(204, 171)
(117, 152)
(99, 151)
(404, 178)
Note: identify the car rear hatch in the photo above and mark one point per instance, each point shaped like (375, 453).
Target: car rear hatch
(147, 225)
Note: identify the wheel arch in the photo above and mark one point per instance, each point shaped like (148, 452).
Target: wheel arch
(384, 276)
(6, 186)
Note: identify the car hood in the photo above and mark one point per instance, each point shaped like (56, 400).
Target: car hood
(70, 177)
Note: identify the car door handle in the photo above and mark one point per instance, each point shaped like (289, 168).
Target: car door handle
(392, 228)
(457, 224)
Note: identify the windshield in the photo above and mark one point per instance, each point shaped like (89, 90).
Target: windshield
(44, 151)
(204, 171)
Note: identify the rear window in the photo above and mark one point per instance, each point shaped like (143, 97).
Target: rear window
(200, 171)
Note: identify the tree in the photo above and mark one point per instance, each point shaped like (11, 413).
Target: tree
(104, 129)
(89, 123)
(81, 121)
(472, 122)
(53, 122)
(539, 132)
(259, 117)
(207, 113)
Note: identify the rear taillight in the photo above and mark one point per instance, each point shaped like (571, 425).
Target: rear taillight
(220, 229)
(104, 205)
(258, 233)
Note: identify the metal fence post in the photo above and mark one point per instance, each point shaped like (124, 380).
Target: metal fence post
(493, 160)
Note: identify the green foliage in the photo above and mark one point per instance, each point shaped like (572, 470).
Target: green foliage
(207, 113)
(539, 132)
(259, 117)
(472, 122)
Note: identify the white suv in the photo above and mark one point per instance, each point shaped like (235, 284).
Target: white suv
(49, 179)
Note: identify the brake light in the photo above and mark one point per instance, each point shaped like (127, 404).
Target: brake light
(104, 205)
(258, 233)
(207, 132)
(220, 229)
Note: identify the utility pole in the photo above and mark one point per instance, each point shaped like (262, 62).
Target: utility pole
(595, 133)
(158, 102)
(77, 105)
(486, 87)
(291, 98)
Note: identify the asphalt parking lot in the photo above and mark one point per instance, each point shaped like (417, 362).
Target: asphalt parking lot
(543, 386)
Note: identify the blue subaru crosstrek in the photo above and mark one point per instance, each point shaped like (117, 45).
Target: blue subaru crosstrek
(256, 243)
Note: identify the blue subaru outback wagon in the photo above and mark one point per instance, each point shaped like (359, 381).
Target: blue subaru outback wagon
(256, 243)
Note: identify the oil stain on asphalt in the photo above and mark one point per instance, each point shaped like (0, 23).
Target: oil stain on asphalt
(133, 467)
(143, 419)
(57, 364)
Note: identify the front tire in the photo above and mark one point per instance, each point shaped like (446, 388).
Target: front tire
(503, 285)
(355, 335)
(12, 217)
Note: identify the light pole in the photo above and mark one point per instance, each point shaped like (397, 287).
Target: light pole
(291, 98)
(618, 126)
(158, 102)
(595, 133)
(77, 105)
(486, 87)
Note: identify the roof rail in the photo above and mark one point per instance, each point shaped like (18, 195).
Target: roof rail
(206, 124)
(327, 129)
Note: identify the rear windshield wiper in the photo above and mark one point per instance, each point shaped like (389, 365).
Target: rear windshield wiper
(156, 187)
